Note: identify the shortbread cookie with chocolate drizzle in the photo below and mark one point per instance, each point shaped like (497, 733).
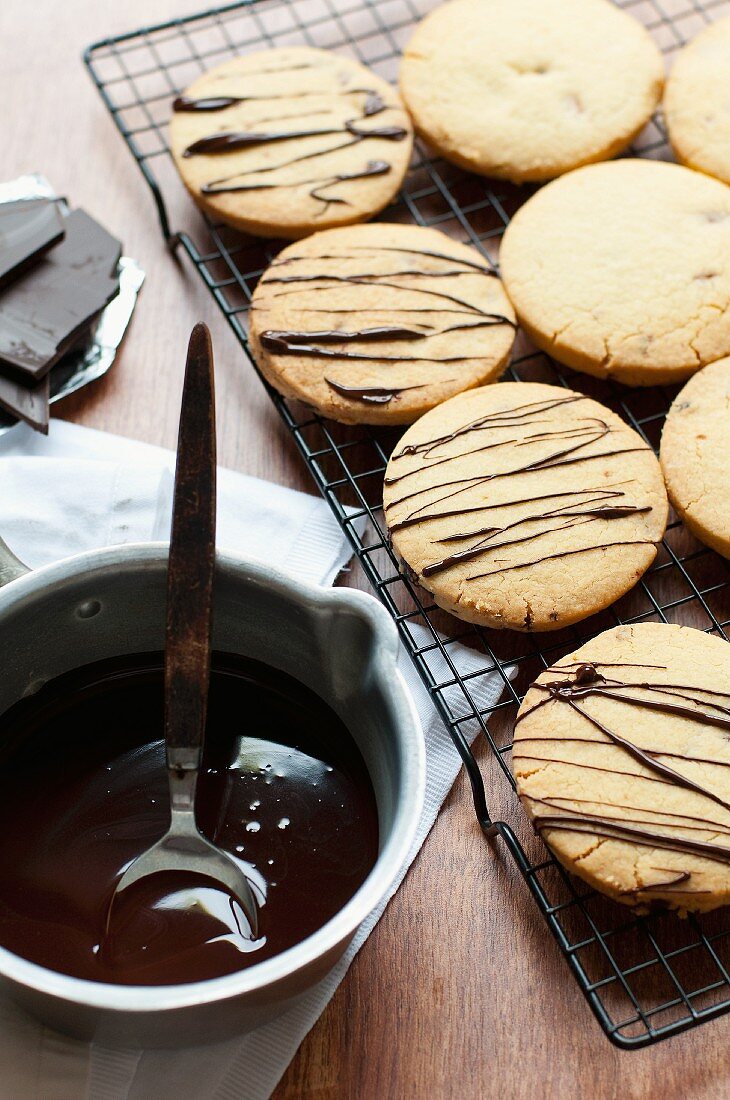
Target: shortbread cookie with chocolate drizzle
(524, 506)
(376, 324)
(622, 761)
(287, 141)
(621, 270)
(695, 455)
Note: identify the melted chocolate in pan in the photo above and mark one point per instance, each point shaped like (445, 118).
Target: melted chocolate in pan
(83, 790)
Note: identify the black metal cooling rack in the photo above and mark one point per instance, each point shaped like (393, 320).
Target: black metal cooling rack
(645, 978)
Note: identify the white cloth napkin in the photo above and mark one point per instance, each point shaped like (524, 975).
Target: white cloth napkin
(78, 489)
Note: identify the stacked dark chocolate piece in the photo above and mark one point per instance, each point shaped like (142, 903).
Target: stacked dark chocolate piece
(58, 269)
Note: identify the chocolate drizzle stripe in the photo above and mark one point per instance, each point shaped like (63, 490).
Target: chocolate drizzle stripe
(612, 688)
(562, 554)
(474, 482)
(577, 824)
(594, 768)
(593, 436)
(478, 479)
(228, 141)
(486, 545)
(591, 741)
(374, 102)
(649, 761)
(605, 494)
(701, 827)
(304, 343)
(370, 395)
(320, 343)
(370, 279)
(372, 168)
(500, 419)
(376, 249)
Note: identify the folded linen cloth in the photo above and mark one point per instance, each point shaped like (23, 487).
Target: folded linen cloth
(78, 489)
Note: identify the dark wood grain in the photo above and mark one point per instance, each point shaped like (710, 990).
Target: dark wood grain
(460, 991)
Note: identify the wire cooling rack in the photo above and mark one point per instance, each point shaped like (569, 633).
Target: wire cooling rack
(645, 978)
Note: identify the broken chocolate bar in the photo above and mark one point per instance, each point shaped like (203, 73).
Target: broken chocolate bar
(47, 308)
(28, 229)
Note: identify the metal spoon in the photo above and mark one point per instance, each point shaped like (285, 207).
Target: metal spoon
(188, 641)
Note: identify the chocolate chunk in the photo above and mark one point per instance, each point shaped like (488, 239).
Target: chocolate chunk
(29, 403)
(43, 313)
(28, 228)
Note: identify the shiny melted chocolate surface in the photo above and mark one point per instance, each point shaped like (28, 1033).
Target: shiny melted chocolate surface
(83, 791)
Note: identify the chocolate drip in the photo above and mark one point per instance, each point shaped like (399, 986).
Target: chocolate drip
(370, 279)
(575, 519)
(289, 340)
(560, 554)
(675, 880)
(501, 419)
(700, 824)
(283, 342)
(229, 141)
(429, 252)
(603, 493)
(184, 103)
(373, 105)
(370, 395)
(472, 482)
(605, 828)
(372, 168)
(592, 434)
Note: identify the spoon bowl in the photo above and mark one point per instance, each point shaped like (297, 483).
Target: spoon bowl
(183, 848)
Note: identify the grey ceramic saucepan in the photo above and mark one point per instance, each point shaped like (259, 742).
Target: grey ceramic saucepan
(338, 642)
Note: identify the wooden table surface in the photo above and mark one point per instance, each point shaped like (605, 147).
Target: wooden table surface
(460, 991)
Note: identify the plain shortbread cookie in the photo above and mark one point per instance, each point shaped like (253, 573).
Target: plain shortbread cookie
(623, 270)
(524, 506)
(622, 761)
(528, 89)
(378, 323)
(287, 141)
(697, 102)
(695, 455)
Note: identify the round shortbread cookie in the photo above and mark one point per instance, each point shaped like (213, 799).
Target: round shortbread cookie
(287, 141)
(695, 455)
(378, 323)
(623, 270)
(622, 761)
(528, 89)
(697, 102)
(524, 506)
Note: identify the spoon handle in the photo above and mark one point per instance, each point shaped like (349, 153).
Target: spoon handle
(191, 563)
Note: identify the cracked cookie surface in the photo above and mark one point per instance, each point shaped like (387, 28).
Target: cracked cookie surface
(695, 455)
(287, 141)
(622, 762)
(528, 89)
(697, 102)
(623, 270)
(524, 506)
(376, 324)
